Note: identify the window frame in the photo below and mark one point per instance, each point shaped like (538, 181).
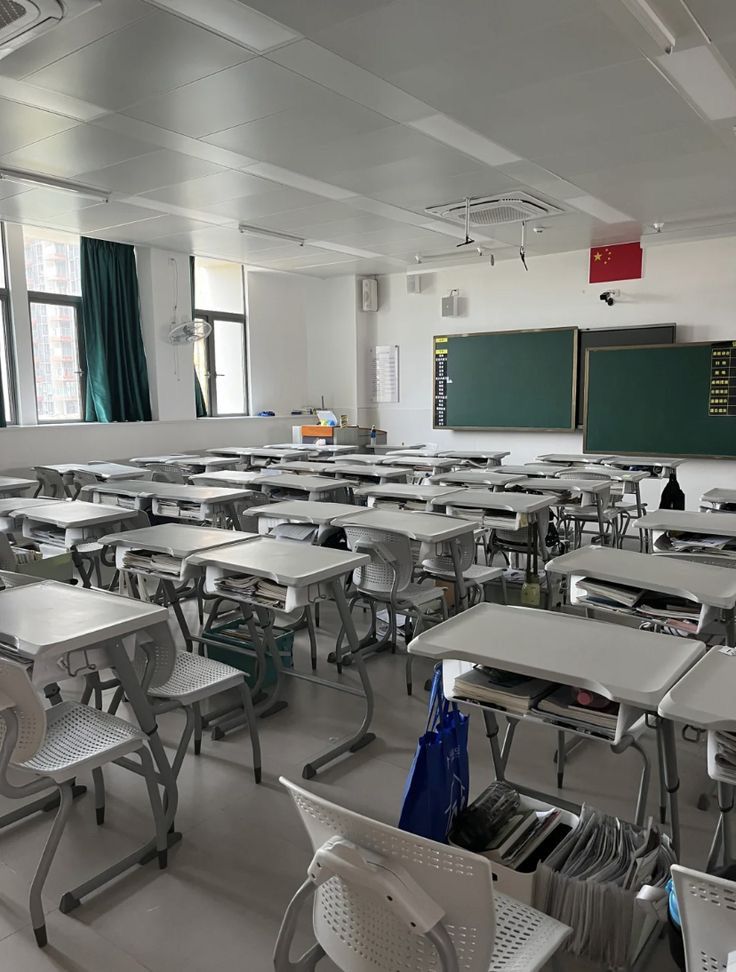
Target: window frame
(7, 333)
(211, 362)
(75, 302)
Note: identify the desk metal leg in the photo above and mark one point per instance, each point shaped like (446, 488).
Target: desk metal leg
(362, 736)
(492, 731)
(725, 804)
(459, 579)
(671, 778)
(731, 627)
(147, 721)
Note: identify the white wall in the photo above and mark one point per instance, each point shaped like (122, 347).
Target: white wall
(692, 284)
(277, 340)
(332, 346)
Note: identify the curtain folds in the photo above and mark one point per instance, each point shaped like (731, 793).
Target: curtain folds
(117, 375)
(199, 399)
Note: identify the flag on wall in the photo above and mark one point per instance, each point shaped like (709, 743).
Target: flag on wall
(621, 261)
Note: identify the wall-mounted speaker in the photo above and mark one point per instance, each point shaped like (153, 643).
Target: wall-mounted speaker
(369, 294)
(414, 284)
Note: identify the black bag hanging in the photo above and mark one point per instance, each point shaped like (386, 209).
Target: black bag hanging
(672, 497)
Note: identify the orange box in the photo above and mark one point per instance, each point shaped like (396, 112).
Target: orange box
(321, 431)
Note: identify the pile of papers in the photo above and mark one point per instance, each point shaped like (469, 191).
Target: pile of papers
(523, 834)
(254, 588)
(620, 597)
(508, 691)
(152, 563)
(725, 757)
(607, 594)
(590, 882)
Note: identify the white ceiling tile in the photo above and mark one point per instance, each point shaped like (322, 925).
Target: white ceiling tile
(101, 216)
(151, 55)
(152, 171)
(229, 98)
(36, 97)
(76, 150)
(297, 180)
(213, 189)
(360, 86)
(41, 204)
(317, 14)
(261, 207)
(21, 125)
(151, 229)
(73, 34)
(464, 139)
(233, 20)
(531, 175)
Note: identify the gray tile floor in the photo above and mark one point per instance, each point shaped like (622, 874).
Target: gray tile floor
(218, 906)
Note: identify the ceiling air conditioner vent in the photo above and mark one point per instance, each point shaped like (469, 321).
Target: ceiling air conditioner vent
(23, 20)
(511, 207)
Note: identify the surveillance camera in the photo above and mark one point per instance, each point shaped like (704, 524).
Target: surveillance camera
(609, 296)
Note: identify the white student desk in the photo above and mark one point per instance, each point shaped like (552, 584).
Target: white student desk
(704, 697)
(352, 458)
(262, 455)
(76, 527)
(234, 478)
(423, 465)
(305, 466)
(571, 459)
(66, 631)
(317, 514)
(500, 510)
(191, 465)
(14, 509)
(13, 485)
(290, 485)
(367, 472)
(536, 469)
(327, 451)
(631, 667)
(475, 455)
(476, 477)
(713, 588)
(198, 504)
(101, 470)
(404, 495)
(657, 524)
(161, 460)
(435, 532)
(176, 540)
(564, 489)
(11, 578)
(656, 466)
(716, 499)
(309, 573)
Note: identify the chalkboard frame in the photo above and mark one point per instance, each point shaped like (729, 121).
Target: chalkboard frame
(652, 452)
(574, 331)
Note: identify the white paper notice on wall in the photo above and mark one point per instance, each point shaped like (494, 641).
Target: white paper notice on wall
(385, 373)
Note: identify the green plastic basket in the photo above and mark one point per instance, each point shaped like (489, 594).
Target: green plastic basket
(230, 641)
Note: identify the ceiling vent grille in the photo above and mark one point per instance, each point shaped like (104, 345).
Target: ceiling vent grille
(510, 207)
(23, 20)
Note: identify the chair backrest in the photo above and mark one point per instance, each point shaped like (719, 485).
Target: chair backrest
(360, 933)
(51, 483)
(82, 477)
(158, 652)
(382, 575)
(18, 694)
(591, 498)
(467, 555)
(707, 907)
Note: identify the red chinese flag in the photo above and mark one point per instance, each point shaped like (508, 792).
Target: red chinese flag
(621, 261)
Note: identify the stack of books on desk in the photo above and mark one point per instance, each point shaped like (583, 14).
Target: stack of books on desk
(584, 712)
(606, 594)
(254, 588)
(676, 612)
(152, 563)
(508, 691)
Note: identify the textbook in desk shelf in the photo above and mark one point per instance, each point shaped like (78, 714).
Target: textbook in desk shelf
(722, 756)
(154, 563)
(504, 690)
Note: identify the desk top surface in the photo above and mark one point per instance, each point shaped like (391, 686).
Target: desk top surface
(478, 477)
(13, 504)
(269, 452)
(572, 459)
(416, 491)
(421, 462)
(76, 514)
(308, 484)
(617, 474)
(118, 487)
(353, 458)
(303, 466)
(176, 539)
(537, 469)
(195, 494)
(50, 615)
(143, 460)
(368, 470)
(623, 664)
(473, 454)
(719, 495)
(689, 521)
(288, 562)
(714, 586)
(704, 696)
(417, 525)
(488, 499)
(303, 511)
(226, 477)
(557, 485)
(16, 482)
(651, 462)
(103, 470)
(207, 462)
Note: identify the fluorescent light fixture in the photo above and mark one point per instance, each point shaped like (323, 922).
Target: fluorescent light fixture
(49, 182)
(295, 180)
(350, 250)
(465, 140)
(232, 20)
(599, 210)
(652, 24)
(704, 81)
(269, 234)
(450, 261)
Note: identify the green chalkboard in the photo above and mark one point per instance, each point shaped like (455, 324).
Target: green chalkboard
(506, 379)
(654, 401)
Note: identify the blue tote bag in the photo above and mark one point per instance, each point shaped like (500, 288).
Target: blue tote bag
(437, 786)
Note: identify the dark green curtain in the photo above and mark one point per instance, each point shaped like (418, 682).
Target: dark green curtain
(199, 402)
(117, 376)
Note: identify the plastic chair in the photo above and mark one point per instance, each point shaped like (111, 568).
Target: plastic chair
(51, 483)
(82, 478)
(387, 579)
(386, 900)
(163, 472)
(177, 679)
(595, 508)
(475, 576)
(707, 906)
(53, 747)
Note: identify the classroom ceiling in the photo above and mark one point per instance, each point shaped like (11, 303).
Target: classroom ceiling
(341, 121)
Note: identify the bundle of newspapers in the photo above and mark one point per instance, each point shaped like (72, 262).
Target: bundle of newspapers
(590, 882)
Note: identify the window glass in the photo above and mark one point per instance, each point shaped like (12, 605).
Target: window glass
(5, 361)
(218, 285)
(56, 362)
(229, 345)
(52, 261)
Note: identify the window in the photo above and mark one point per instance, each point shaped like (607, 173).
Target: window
(54, 297)
(6, 348)
(221, 360)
